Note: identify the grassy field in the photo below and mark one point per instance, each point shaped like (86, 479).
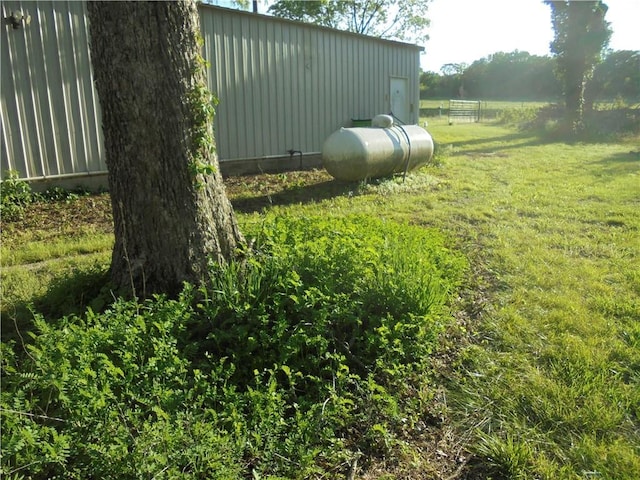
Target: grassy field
(551, 386)
(493, 104)
(541, 376)
(502, 110)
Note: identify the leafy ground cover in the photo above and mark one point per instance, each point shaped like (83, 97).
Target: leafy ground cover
(533, 372)
(310, 356)
(294, 364)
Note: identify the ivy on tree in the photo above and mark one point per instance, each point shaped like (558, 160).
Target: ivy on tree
(581, 35)
(172, 218)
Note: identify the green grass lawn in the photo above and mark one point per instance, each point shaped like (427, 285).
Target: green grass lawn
(545, 381)
(551, 386)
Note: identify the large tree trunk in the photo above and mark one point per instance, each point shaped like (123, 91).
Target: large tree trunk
(581, 33)
(171, 214)
(575, 61)
(574, 92)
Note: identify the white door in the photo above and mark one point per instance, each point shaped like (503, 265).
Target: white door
(399, 99)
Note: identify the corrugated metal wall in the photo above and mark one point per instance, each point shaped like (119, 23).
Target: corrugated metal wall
(282, 85)
(50, 111)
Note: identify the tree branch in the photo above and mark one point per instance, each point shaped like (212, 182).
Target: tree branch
(376, 8)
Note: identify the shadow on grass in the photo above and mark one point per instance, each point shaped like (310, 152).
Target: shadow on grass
(492, 145)
(511, 137)
(622, 163)
(69, 293)
(296, 195)
(492, 149)
(550, 126)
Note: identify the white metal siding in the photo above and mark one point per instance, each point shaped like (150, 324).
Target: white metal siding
(49, 106)
(282, 85)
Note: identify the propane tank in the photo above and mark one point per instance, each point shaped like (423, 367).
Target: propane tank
(353, 154)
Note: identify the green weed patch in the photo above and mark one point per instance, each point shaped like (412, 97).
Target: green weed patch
(311, 353)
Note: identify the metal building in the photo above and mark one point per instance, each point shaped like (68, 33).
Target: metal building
(49, 107)
(283, 87)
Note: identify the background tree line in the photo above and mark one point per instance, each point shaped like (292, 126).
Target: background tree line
(521, 76)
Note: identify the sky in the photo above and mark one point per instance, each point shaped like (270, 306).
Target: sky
(463, 31)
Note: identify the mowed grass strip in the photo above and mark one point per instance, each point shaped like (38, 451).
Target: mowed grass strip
(36, 251)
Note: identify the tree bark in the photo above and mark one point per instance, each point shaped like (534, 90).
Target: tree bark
(171, 214)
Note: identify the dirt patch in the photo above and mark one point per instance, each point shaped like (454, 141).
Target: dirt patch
(248, 193)
(253, 193)
(47, 219)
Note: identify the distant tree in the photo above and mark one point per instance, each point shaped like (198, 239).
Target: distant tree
(452, 83)
(581, 35)
(521, 76)
(514, 76)
(318, 12)
(618, 76)
(475, 79)
(171, 214)
(393, 19)
(452, 69)
(237, 4)
(430, 85)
